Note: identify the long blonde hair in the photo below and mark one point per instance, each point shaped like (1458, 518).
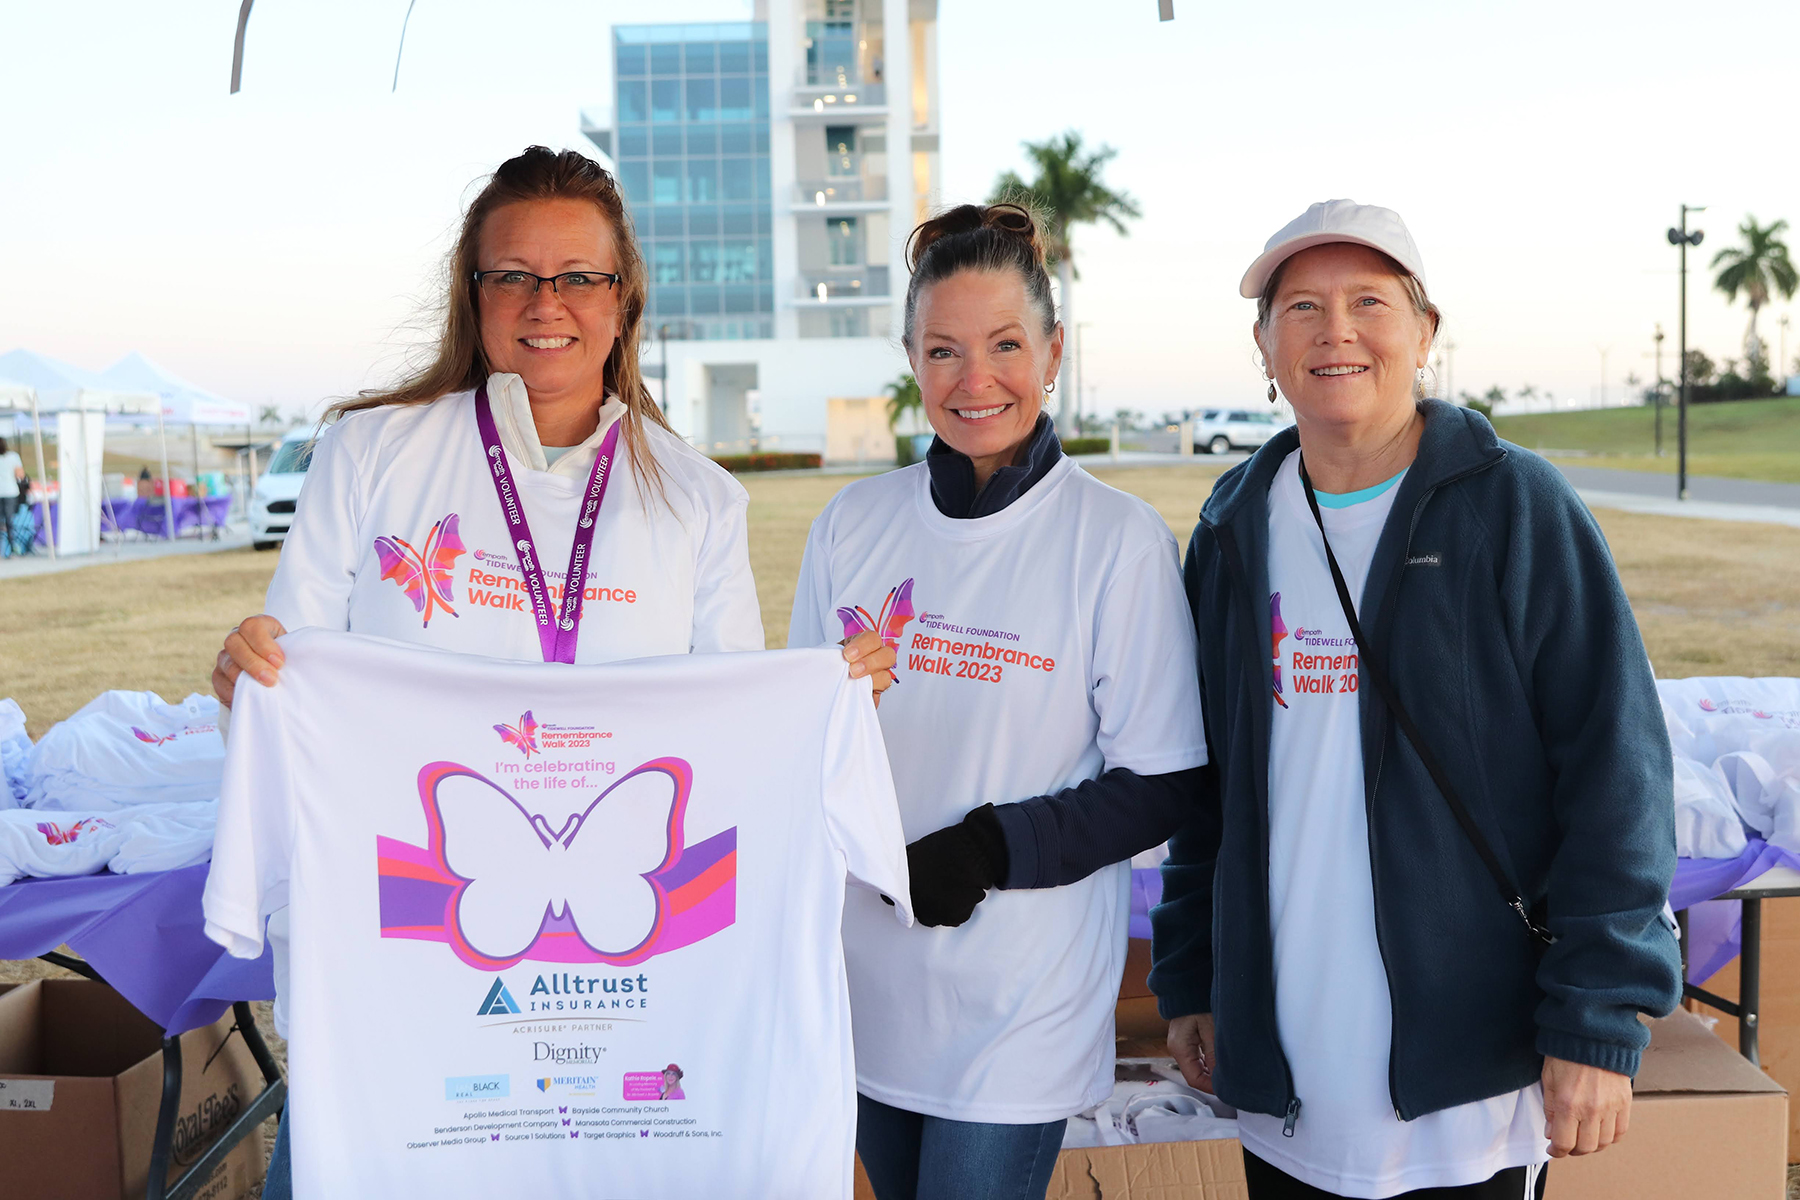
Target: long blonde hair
(459, 364)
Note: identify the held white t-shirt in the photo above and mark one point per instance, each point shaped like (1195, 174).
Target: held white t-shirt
(1337, 1034)
(1038, 647)
(560, 930)
(669, 572)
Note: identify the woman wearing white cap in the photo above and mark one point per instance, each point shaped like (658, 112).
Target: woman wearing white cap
(1411, 926)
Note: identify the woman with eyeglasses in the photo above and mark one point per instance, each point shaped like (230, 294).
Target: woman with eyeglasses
(442, 511)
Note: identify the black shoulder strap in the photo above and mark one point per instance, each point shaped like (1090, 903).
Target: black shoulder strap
(1378, 675)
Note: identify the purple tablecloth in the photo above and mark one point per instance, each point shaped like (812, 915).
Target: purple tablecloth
(1715, 927)
(143, 934)
(145, 514)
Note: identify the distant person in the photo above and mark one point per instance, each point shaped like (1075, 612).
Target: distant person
(536, 371)
(1038, 736)
(146, 486)
(12, 475)
(1410, 927)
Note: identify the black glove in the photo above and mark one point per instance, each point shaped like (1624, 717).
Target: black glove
(953, 868)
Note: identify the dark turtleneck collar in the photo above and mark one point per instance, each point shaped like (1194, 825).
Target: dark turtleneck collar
(953, 475)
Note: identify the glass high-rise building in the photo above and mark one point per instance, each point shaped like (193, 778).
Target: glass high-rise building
(774, 168)
(692, 106)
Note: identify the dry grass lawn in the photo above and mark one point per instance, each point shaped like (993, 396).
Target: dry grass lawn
(1712, 598)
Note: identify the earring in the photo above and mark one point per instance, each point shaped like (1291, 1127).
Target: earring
(1050, 387)
(1271, 391)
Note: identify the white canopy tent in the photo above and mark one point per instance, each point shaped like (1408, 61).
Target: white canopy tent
(181, 403)
(81, 398)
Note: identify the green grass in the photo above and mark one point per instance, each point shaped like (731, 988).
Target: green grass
(1737, 439)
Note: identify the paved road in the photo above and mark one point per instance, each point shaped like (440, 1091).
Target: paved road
(1700, 487)
(41, 563)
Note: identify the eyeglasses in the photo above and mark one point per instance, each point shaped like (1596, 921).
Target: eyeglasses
(575, 288)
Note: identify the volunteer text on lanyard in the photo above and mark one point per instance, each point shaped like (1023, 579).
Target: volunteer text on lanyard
(557, 632)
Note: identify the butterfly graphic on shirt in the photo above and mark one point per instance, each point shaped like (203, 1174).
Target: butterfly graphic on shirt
(425, 575)
(144, 735)
(1280, 630)
(57, 835)
(517, 872)
(896, 611)
(523, 735)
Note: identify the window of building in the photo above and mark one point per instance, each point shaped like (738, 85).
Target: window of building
(703, 140)
(703, 180)
(668, 301)
(703, 221)
(703, 301)
(634, 177)
(665, 221)
(703, 258)
(702, 100)
(734, 99)
(665, 59)
(665, 141)
(849, 322)
(736, 139)
(734, 58)
(701, 58)
(738, 263)
(737, 179)
(629, 60)
(666, 182)
(634, 142)
(740, 299)
(739, 218)
(665, 262)
(841, 157)
(631, 101)
(665, 100)
(841, 239)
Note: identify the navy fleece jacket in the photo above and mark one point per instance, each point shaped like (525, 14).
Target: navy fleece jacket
(1493, 602)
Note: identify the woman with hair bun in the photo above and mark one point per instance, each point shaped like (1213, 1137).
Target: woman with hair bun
(418, 494)
(1037, 735)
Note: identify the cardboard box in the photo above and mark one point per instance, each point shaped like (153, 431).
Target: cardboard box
(89, 1066)
(1778, 1025)
(1704, 1122)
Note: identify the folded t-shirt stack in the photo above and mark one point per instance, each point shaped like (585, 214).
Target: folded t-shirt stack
(128, 784)
(1151, 1103)
(128, 748)
(1737, 762)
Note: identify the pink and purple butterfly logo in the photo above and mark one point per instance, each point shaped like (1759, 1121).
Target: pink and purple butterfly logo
(614, 882)
(152, 739)
(524, 735)
(426, 575)
(58, 835)
(1279, 629)
(890, 623)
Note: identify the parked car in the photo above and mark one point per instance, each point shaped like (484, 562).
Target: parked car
(272, 503)
(1218, 430)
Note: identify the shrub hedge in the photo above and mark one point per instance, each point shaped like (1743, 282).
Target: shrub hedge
(736, 463)
(1086, 445)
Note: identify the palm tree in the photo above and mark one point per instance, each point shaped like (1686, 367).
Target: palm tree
(1758, 269)
(903, 397)
(1068, 191)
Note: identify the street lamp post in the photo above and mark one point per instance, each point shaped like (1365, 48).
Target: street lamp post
(1661, 385)
(1080, 361)
(1682, 238)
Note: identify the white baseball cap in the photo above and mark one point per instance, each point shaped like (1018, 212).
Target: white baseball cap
(1335, 221)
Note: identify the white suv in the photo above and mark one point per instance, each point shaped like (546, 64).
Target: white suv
(1218, 430)
(272, 503)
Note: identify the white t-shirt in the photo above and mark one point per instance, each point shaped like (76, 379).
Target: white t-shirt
(591, 950)
(1047, 643)
(1337, 1034)
(665, 577)
(10, 465)
(127, 748)
(669, 573)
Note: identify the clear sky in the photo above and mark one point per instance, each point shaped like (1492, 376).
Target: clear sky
(277, 245)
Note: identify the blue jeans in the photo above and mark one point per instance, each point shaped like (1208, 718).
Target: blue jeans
(279, 1185)
(909, 1156)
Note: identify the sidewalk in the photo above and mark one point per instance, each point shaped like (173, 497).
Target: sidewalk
(115, 552)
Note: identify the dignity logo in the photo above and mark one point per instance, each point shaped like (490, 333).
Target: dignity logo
(547, 1052)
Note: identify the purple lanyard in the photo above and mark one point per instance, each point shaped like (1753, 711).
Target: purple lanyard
(556, 634)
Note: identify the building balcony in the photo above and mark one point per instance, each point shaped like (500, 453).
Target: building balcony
(852, 103)
(866, 193)
(842, 287)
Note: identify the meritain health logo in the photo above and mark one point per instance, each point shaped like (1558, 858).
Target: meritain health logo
(499, 1001)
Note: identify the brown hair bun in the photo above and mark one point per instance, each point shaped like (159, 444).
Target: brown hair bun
(976, 237)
